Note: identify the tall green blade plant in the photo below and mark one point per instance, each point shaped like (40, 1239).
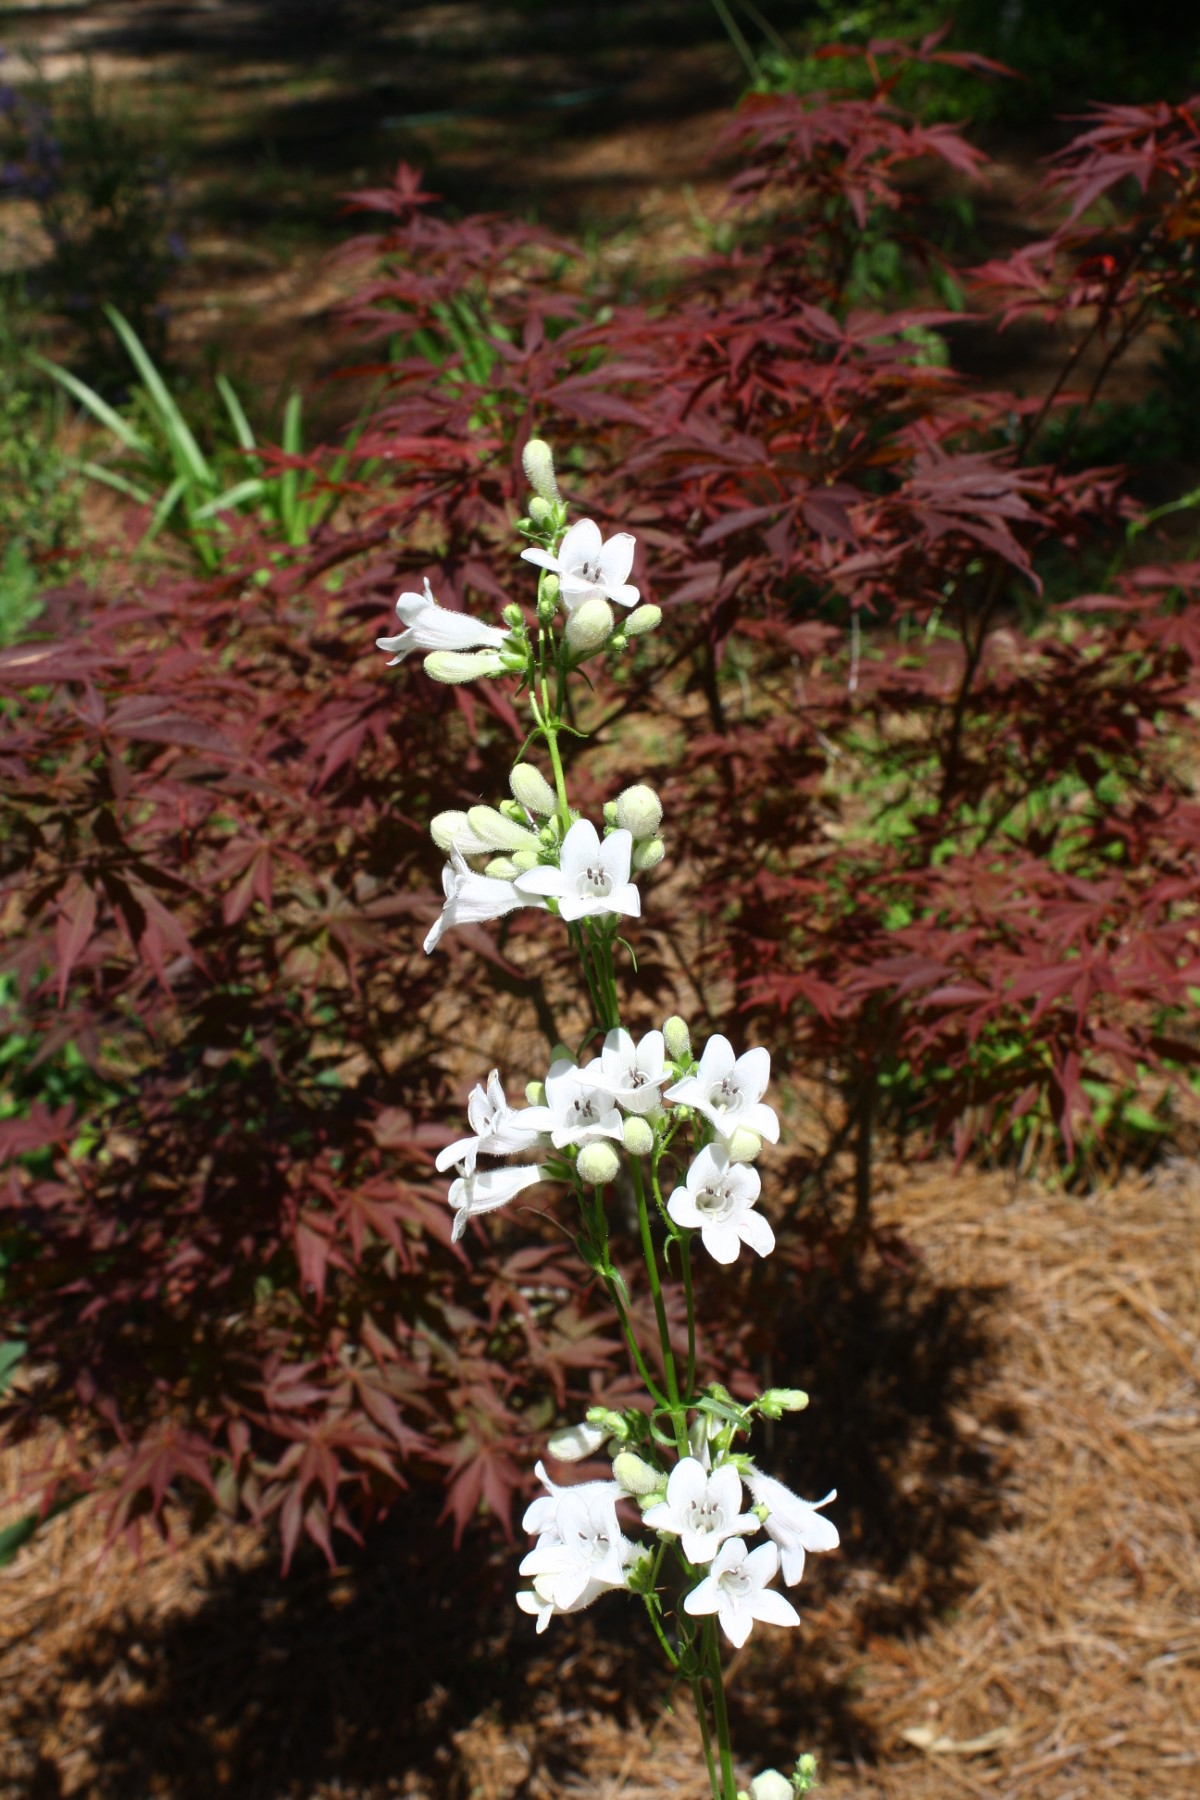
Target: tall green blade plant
(679, 1133)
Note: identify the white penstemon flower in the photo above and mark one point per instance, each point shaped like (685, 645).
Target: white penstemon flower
(591, 879)
(498, 1129)
(588, 568)
(472, 898)
(575, 1112)
(483, 1190)
(729, 1090)
(433, 627)
(702, 1510)
(718, 1201)
(736, 1590)
(632, 1073)
(797, 1526)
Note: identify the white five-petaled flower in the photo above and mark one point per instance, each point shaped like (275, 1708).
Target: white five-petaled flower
(539, 1514)
(796, 1525)
(483, 1190)
(702, 1509)
(632, 1073)
(729, 1091)
(735, 1588)
(498, 1129)
(472, 898)
(589, 569)
(434, 627)
(575, 1112)
(585, 1545)
(718, 1201)
(592, 876)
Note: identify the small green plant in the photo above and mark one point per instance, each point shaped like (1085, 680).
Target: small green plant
(163, 466)
(37, 502)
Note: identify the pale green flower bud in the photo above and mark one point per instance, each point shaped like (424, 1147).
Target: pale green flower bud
(613, 1422)
(647, 855)
(512, 615)
(501, 868)
(639, 811)
(770, 1785)
(589, 626)
(525, 859)
(450, 828)
(597, 1163)
(638, 1477)
(642, 618)
(540, 511)
(575, 1442)
(618, 641)
(804, 1775)
(678, 1039)
(537, 460)
(639, 1136)
(463, 665)
(532, 790)
(610, 812)
(744, 1145)
(535, 1093)
(776, 1401)
(499, 833)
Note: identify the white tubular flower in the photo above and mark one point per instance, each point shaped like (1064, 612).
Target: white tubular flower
(729, 1091)
(771, 1785)
(539, 1514)
(483, 1190)
(702, 1510)
(589, 569)
(736, 1590)
(575, 1111)
(718, 1201)
(632, 1073)
(591, 877)
(795, 1525)
(540, 1602)
(471, 898)
(584, 1545)
(498, 1130)
(434, 627)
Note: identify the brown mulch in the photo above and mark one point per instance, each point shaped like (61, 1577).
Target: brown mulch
(1011, 1410)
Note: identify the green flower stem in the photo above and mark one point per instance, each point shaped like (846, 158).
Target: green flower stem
(609, 1276)
(720, 1715)
(705, 1738)
(685, 1263)
(677, 1410)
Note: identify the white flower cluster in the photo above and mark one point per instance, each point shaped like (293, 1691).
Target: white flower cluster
(622, 1097)
(581, 1551)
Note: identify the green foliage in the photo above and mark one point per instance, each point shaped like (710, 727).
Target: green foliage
(37, 499)
(193, 492)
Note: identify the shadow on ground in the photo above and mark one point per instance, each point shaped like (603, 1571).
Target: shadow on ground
(272, 1687)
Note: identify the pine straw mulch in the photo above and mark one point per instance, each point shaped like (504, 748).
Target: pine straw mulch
(1010, 1406)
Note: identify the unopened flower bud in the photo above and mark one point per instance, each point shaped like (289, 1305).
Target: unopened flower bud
(448, 829)
(678, 1039)
(776, 1401)
(647, 855)
(499, 833)
(636, 1476)
(501, 868)
(535, 1093)
(743, 1145)
(576, 1442)
(540, 511)
(613, 1422)
(455, 666)
(537, 460)
(531, 788)
(804, 1776)
(512, 615)
(597, 1163)
(610, 812)
(770, 1785)
(589, 626)
(618, 640)
(639, 1135)
(642, 618)
(523, 860)
(639, 811)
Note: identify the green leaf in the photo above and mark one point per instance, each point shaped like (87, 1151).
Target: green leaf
(99, 409)
(250, 489)
(11, 1354)
(237, 416)
(174, 426)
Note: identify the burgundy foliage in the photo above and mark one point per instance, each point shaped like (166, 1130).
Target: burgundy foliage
(943, 826)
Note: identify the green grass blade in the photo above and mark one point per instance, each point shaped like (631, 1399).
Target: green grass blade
(99, 409)
(237, 416)
(110, 478)
(175, 427)
(166, 507)
(250, 489)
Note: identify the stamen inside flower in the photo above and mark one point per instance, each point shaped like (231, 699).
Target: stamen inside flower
(713, 1202)
(595, 881)
(726, 1096)
(704, 1516)
(736, 1582)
